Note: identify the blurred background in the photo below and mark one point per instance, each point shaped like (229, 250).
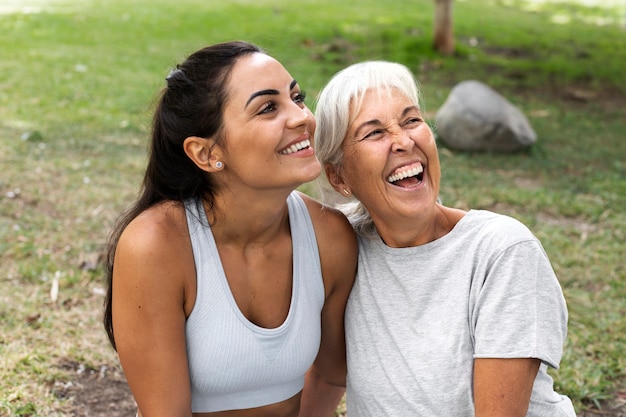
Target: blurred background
(78, 82)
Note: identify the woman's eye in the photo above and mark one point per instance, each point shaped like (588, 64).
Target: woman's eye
(299, 97)
(412, 121)
(268, 108)
(373, 134)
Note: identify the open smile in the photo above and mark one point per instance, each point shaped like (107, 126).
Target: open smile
(296, 147)
(407, 176)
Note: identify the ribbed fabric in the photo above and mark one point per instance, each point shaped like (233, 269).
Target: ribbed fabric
(233, 363)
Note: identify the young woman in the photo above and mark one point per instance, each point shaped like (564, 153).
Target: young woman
(225, 284)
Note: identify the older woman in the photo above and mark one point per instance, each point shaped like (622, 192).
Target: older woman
(453, 313)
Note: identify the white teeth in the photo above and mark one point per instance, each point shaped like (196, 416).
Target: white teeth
(406, 174)
(296, 147)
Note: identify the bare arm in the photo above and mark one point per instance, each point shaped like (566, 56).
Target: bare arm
(319, 398)
(326, 380)
(149, 316)
(502, 387)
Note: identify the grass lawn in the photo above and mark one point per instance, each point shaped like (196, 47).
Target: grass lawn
(78, 79)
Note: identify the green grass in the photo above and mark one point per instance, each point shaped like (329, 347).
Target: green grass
(78, 81)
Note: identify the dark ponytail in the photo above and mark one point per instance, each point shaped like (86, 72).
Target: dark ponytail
(192, 104)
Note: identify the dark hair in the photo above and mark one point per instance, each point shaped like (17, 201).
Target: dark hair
(192, 104)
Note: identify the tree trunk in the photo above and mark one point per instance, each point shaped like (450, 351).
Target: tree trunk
(444, 36)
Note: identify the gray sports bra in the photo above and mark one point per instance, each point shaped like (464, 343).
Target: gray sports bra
(233, 363)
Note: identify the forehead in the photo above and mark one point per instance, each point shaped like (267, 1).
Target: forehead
(376, 103)
(255, 72)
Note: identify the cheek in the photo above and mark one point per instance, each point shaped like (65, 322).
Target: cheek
(425, 136)
(353, 160)
(434, 169)
(312, 121)
(363, 166)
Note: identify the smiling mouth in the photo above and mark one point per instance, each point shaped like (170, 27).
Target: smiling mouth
(407, 176)
(296, 147)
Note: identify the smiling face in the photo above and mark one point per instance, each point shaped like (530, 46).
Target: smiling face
(267, 127)
(390, 160)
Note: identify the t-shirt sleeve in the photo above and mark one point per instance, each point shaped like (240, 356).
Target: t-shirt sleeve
(520, 311)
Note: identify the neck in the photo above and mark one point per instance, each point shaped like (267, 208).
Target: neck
(420, 230)
(243, 219)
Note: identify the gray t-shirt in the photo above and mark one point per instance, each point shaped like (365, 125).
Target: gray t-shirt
(417, 317)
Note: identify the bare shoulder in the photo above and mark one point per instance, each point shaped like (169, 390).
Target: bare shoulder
(328, 221)
(154, 250)
(160, 227)
(152, 294)
(336, 241)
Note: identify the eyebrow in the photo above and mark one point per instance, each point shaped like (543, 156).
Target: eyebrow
(269, 92)
(376, 122)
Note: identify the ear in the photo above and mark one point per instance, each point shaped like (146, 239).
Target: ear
(333, 174)
(203, 152)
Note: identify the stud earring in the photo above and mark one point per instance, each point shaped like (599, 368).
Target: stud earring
(346, 192)
(219, 165)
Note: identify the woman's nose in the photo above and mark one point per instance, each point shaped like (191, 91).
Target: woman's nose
(299, 115)
(401, 141)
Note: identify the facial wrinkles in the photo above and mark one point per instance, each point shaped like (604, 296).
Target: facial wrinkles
(357, 167)
(383, 127)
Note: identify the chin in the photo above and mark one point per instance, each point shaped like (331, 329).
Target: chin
(313, 172)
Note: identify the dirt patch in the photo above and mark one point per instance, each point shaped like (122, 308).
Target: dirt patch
(105, 392)
(95, 392)
(614, 408)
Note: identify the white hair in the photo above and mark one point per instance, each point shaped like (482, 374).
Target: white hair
(337, 105)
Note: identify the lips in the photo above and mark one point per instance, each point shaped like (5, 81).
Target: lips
(295, 147)
(407, 175)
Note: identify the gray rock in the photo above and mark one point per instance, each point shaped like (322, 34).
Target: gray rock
(474, 117)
